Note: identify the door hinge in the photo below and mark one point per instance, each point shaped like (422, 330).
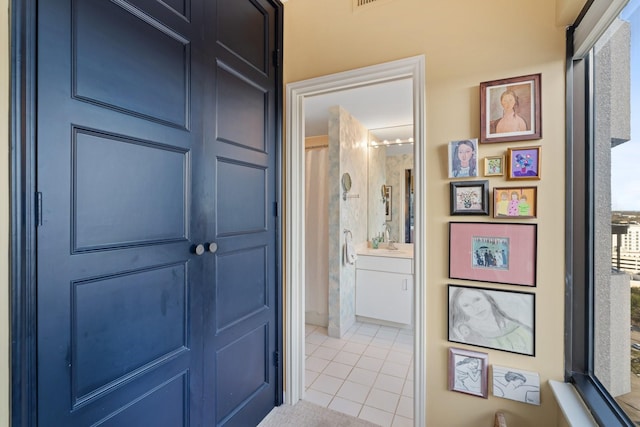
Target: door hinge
(275, 209)
(38, 208)
(276, 358)
(276, 58)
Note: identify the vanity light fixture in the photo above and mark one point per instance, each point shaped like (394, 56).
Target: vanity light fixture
(376, 144)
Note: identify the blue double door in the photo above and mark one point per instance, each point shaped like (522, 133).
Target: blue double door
(156, 147)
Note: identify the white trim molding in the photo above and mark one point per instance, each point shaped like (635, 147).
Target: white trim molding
(409, 68)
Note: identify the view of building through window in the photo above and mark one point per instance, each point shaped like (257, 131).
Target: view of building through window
(616, 78)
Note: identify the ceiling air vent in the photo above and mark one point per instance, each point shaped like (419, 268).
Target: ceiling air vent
(362, 4)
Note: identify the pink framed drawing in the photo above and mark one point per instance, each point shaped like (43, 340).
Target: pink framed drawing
(492, 252)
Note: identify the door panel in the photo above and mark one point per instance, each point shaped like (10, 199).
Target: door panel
(253, 44)
(109, 61)
(128, 173)
(146, 147)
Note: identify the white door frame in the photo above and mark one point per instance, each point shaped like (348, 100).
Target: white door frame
(413, 68)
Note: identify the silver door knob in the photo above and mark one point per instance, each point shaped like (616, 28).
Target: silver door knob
(212, 247)
(199, 249)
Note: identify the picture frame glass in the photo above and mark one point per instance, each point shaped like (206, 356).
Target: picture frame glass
(524, 163)
(468, 372)
(468, 198)
(493, 252)
(494, 166)
(491, 318)
(514, 202)
(510, 109)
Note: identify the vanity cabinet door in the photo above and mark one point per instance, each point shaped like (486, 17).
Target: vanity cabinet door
(384, 295)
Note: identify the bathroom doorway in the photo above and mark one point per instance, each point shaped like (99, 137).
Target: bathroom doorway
(297, 93)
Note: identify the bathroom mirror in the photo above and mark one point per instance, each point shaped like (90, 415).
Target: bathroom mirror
(388, 166)
(346, 181)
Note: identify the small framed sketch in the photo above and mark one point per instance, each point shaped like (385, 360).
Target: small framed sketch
(470, 198)
(515, 202)
(468, 372)
(516, 384)
(499, 319)
(523, 163)
(510, 109)
(493, 252)
(494, 166)
(463, 158)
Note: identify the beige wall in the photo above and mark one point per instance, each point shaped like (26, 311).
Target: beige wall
(464, 42)
(4, 215)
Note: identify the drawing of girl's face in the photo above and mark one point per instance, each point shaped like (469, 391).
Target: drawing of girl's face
(474, 304)
(507, 100)
(465, 152)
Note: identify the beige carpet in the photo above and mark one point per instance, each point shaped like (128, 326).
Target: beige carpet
(305, 414)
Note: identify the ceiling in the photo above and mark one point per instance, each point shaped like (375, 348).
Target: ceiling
(386, 109)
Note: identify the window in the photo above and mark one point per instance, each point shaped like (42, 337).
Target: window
(603, 210)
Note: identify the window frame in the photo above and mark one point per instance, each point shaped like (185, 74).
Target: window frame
(579, 242)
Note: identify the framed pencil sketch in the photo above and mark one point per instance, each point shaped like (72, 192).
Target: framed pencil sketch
(516, 384)
(515, 202)
(463, 158)
(468, 372)
(470, 198)
(523, 163)
(494, 166)
(493, 252)
(492, 318)
(510, 109)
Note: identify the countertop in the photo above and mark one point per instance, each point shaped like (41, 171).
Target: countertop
(404, 251)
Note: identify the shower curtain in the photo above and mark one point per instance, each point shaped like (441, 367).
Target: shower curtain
(317, 236)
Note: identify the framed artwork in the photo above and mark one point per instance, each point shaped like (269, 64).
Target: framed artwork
(469, 372)
(463, 158)
(387, 202)
(493, 252)
(470, 198)
(498, 319)
(510, 109)
(494, 166)
(516, 384)
(515, 202)
(523, 163)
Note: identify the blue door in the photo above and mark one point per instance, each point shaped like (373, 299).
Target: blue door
(156, 146)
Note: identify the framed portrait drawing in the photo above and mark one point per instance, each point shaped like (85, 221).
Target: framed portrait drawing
(463, 158)
(491, 318)
(510, 109)
(515, 202)
(494, 166)
(468, 372)
(493, 252)
(470, 198)
(516, 384)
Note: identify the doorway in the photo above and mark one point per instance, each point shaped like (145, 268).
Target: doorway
(411, 68)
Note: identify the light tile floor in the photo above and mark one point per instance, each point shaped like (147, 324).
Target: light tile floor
(368, 373)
